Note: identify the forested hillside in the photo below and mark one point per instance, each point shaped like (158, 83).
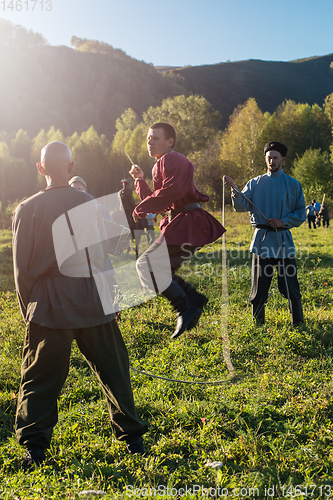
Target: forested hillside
(227, 85)
(72, 89)
(93, 84)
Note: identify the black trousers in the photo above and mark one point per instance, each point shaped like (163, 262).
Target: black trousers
(45, 365)
(262, 274)
(312, 220)
(179, 255)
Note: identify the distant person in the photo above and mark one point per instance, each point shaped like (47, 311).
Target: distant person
(325, 215)
(78, 183)
(186, 227)
(151, 218)
(58, 308)
(317, 207)
(311, 216)
(280, 198)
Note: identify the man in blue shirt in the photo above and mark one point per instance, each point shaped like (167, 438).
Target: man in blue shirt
(317, 208)
(276, 203)
(311, 215)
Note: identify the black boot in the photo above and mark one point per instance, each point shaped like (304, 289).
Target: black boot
(258, 312)
(35, 456)
(297, 312)
(197, 298)
(134, 444)
(187, 311)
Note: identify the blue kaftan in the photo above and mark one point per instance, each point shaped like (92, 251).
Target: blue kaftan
(277, 195)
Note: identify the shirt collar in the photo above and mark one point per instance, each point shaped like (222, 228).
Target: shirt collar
(275, 174)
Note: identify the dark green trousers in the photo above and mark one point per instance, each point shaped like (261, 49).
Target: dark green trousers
(45, 365)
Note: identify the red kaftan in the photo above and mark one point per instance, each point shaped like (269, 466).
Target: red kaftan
(174, 188)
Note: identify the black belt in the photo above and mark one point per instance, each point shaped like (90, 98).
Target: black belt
(54, 271)
(267, 227)
(186, 208)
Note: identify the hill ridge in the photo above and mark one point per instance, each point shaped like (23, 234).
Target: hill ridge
(72, 89)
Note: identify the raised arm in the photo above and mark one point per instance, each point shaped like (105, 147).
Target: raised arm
(175, 181)
(141, 187)
(239, 203)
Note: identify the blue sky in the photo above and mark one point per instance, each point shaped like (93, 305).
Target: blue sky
(185, 32)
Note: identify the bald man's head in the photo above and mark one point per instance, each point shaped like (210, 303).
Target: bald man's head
(55, 157)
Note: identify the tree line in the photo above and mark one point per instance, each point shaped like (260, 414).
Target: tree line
(236, 151)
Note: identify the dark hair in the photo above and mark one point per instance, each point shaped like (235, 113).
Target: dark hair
(168, 130)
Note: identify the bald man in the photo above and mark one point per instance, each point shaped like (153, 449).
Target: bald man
(59, 308)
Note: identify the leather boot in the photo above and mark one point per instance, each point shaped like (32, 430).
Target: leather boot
(199, 299)
(297, 312)
(195, 297)
(134, 444)
(35, 455)
(187, 311)
(258, 312)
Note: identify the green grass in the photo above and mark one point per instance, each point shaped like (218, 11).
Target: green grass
(269, 425)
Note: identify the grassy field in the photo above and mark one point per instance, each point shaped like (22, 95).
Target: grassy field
(265, 432)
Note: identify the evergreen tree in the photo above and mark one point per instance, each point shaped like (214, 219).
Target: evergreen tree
(20, 146)
(55, 135)
(14, 176)
(37, 144)
(91, 161)
(72, 140)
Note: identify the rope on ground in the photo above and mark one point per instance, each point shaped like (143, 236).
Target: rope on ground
(190, 382)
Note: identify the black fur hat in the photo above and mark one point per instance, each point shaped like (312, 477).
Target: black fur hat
(276, 146)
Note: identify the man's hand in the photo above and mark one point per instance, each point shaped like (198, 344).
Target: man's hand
(135, 218)
(228, 181)
(275, 222)
(136, 172)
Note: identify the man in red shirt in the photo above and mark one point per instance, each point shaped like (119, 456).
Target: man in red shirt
(186, 228)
